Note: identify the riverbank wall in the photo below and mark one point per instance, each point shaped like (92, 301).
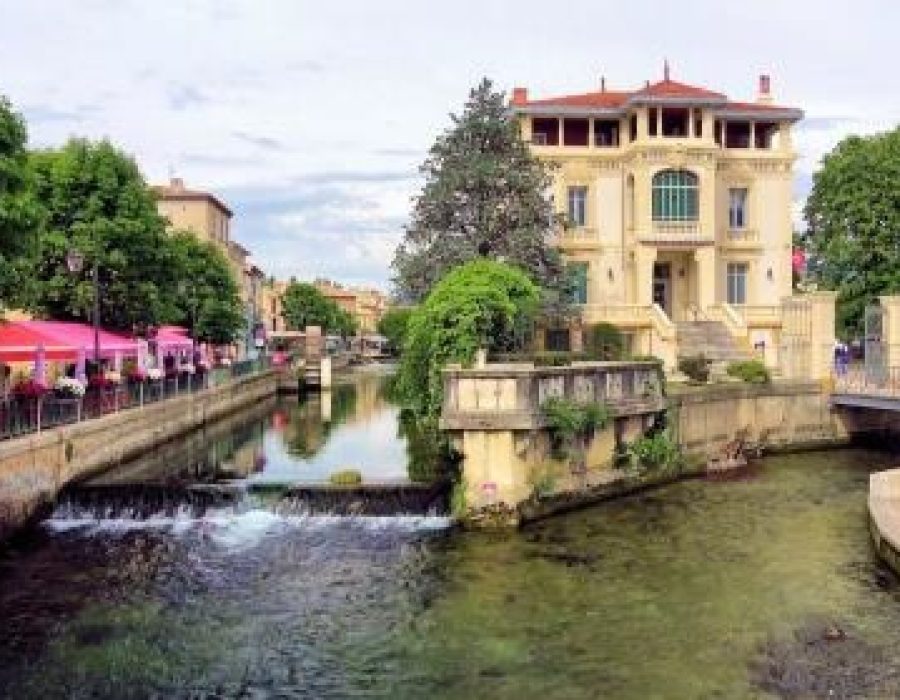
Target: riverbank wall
(884, 516)
(511, 474)
(35, 467)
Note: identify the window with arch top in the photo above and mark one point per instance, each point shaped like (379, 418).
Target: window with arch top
(675, 196)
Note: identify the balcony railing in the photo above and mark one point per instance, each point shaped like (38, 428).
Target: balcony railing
(741, 237)
(575, 235)
(687, 232)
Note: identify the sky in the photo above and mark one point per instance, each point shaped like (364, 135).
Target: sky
(310, 119)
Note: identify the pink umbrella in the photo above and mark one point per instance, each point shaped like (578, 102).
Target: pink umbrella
(40, 365)
(81, 365)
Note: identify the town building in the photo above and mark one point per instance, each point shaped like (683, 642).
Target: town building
(364, 304)
(675, 204)
(209, 219)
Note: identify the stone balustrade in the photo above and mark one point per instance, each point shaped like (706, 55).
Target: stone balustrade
(510, 396)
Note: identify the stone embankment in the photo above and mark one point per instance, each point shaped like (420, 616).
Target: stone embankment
(884, 515)
(34, 468)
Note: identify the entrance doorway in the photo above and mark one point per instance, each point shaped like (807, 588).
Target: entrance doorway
(662, 286)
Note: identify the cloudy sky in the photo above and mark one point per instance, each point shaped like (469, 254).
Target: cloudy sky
(310, 118)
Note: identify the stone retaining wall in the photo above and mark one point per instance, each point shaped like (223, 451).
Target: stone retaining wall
(33, 468)
(884, 515)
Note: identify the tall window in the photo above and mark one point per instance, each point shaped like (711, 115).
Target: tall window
(675, 196)
(736, 278)
(737, 207)
(578, 273)
(578, 206)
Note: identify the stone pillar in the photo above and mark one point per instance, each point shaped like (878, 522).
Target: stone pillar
(705, 261)
(821, 348)
(645, 257)
(890, 332)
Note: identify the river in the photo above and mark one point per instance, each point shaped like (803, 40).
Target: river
(758, 586)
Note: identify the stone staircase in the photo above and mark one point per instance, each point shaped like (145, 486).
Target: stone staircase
(710, 339)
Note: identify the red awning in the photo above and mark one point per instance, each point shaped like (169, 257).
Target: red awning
(19, 343)
(81, 335)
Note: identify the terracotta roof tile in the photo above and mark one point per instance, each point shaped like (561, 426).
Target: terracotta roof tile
(608, 98)
(672, 88)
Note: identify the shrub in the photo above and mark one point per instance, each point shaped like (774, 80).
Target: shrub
(654, 451)
(696, 368)
(571, 424)
(750, 371)
(346, 477)
(482, 303)
(603, 341)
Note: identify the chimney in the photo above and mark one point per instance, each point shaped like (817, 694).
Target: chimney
(519, 96)
(764, 95)
(176, 183)
(602, 83)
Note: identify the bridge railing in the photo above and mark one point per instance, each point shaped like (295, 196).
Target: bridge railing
(515, 393)
(858, 379)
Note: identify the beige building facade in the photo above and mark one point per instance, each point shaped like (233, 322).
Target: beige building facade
(676, 203)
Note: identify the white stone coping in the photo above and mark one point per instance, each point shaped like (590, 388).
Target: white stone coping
(884, 505)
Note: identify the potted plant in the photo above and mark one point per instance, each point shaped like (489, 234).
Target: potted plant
(69, 388)
(30, 388)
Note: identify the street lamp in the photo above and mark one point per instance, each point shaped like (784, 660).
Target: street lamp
(75, 263)
(187, 290)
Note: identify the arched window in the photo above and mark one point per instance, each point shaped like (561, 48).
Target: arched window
(675, 196)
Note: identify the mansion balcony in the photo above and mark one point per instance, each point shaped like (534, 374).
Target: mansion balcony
(575, 238)
(742, 239)
(676, 234)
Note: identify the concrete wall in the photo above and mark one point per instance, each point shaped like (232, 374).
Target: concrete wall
(33, 468)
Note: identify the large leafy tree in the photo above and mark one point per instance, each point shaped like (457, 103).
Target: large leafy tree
(208, 300)
(96, 201)
(484, 196)
(304, 305)
(393, 325)
(19, 213)
(853, 220)
(481, 304)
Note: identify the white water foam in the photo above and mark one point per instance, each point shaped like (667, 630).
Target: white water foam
(238, 530)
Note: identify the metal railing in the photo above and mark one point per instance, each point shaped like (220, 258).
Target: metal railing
(858, 379)
(21, 415)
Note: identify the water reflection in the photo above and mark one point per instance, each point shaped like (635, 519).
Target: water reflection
(298, 440)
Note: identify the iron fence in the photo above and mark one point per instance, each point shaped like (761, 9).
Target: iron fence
(21, 415)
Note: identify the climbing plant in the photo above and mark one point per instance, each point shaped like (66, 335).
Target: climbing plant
(571, 425)
(481, 304)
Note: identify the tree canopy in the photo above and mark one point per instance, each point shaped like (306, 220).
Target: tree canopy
(19, 213)
(208, 300)
(853, 220)
(95, 200)
(480, 304)
(304, 305)
(484, 196)
(393, 325)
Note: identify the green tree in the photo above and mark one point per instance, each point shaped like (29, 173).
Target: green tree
(19, 213)
(484, 196)
(208, 300)
(96, 201)
(480, 304)
(853, 220)
(393, 325)
(304, 305)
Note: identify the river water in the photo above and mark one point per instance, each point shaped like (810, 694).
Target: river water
(758, 586)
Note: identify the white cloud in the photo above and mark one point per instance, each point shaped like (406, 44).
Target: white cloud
(269, 104)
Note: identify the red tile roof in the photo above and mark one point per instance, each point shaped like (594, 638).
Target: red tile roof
(661, 90)
(672, 88)
(176, 191)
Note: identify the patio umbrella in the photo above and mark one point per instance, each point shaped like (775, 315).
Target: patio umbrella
(40, 365)
(81, 365)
